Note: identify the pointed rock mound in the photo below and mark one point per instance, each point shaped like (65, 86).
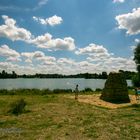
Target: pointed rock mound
(115, 90)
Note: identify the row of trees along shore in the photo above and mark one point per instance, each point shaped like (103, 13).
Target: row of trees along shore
(103, 75)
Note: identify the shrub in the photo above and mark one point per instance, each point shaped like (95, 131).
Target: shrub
(3, 92)
(88, 89)
(130, 87)
(98, 89)
(62, 90)
(17, 107)
(46, 91)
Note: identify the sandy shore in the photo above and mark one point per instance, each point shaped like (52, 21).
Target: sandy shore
(95, 100)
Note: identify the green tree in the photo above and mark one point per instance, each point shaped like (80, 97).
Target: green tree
(137, 57)
(14, 75)
(104, 75)
(4, 74)
(136, 78)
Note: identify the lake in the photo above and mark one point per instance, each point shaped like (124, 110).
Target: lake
(64, 83)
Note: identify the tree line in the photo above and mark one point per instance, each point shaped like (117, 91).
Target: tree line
(103, 75)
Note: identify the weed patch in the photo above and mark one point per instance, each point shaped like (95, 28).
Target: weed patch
(17, 107)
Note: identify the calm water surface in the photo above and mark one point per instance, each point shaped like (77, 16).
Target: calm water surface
(65, 83)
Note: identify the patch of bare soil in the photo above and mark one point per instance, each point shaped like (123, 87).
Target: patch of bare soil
(95, 100)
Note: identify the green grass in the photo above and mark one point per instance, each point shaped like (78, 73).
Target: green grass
(53, 117)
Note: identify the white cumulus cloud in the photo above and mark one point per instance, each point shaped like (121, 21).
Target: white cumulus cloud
(130, 22)
(46, 41)
(94, 50)
(66, 61)
(52, 21)
(42, 39)
(10, 54)
(12, 31)
(100, 59)
(114, 64)
(39, 56)
(30, 55)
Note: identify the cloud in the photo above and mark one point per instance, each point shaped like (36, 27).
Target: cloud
(5, 65)
(115, 64)
(137, 40)
(91, 49)
(32, 55)
(66, 61)
(118, 1)
(52, 21)
(61, 44)
(13, 59)
(28, 9)
(96, 51)
(13, 32)
(132, 48)
(118, 63)
(70, 66)
(20, 69)
(39, 5)
(9, 8)
(47, 60)
(49, 64)
(43, 39)
(130, 22)
(46, 41)
(100, 59)
(10, 54)
(39, 56)
(42, 2)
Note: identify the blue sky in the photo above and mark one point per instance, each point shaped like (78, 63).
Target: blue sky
(68, 37)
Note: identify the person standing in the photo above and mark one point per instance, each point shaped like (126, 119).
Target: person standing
(136, 94)
(76, 92)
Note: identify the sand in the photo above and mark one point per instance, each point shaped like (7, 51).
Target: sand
(95, 100)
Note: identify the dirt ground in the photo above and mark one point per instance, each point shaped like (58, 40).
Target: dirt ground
(95, 100)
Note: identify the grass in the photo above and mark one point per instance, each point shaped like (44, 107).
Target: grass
(43, 91)
(54, 117)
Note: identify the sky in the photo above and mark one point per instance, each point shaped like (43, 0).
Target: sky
(68, 36)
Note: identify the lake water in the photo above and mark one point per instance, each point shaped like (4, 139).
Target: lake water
(65, 83)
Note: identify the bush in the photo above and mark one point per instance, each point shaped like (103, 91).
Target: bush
(18, 107)
(130, 87)
(62, 91)
(3, 92)
(46, 91)
(88, 90)
(98, 89)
